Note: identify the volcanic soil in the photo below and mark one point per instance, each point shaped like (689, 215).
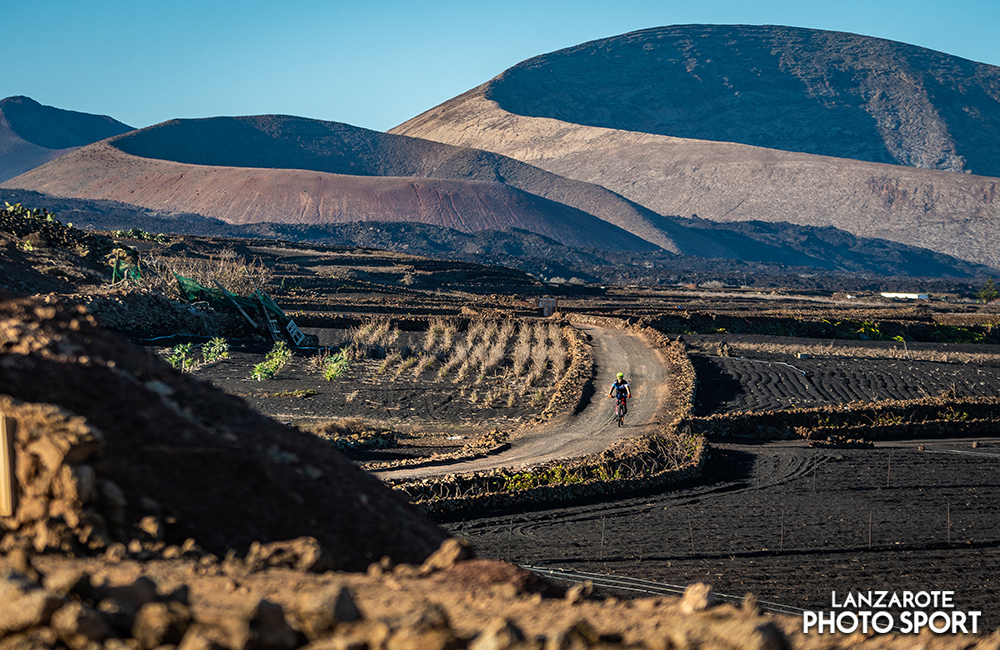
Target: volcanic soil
(788, 522)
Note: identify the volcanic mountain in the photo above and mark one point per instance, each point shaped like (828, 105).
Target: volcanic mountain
(294, 170)
(32, 134)
(303, 177)
(738, 123)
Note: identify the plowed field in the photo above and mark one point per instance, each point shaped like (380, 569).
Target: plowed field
(790, 524)
(729, 385)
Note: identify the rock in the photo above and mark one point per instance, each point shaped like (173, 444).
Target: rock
(426, 628)
(115, 552)
(25, 603)
(499, 634)
(268, 629)
(32, 639)
(411, 638)
(579, 592)
(450, 552)
(76, 484)
(725, 629)
(151, 526)
(20, 560)
(428, 616)
(68, 582)
(697, 597)
(157, 624)
(578, 636)
(78, 625)
(749, 605)
(203, 637)
(319, 613)
(302, 554)
(119, 615)
(360, 635)
(141, 592)
(405, 571)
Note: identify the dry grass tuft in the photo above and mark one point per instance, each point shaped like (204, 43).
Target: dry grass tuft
(229, 268)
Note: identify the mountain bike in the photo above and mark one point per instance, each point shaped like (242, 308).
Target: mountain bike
(620, 409)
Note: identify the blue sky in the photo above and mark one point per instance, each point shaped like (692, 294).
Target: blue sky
(376, 64)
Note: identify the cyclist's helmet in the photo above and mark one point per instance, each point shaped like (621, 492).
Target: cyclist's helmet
(621, 375)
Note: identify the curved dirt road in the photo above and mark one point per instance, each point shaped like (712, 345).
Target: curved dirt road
(592, 428)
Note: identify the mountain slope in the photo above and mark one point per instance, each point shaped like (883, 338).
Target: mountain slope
(32, 134)
(280, 141)
(955, 214)
(242, 195)
(820, 92)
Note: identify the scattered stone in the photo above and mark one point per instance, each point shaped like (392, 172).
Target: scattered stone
(423, 638)
(119, 615)
(20, 560)
(200, 636)
(157, 624)
(269, 630)
(115, 552)
(579, 592)
(68, 582)
(319, 613)
(578, 635)
(78, 625)
(499, 634)
(25, 603)
(301, 554)
(697, 597)
(405, 571)
(450, 552)
(137, 594)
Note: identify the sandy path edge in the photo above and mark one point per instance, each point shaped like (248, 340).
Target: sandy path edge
(591, 429)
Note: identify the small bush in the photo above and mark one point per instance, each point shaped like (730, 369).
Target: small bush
(182, 358)
(279, 355)
(214, 350)
(335, 365)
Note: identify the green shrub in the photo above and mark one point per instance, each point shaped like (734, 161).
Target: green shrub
(279, 355)
(140, 234)
(336, 365)
(214, 350)
(181, 357)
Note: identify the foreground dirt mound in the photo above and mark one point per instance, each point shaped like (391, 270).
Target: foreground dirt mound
(136, 449)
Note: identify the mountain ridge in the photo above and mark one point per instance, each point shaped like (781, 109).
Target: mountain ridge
(953, 213)
(31, 134)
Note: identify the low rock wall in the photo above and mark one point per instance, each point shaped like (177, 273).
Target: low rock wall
(889, 419)
(64, 501)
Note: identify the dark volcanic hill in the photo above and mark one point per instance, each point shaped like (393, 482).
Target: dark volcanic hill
(32, 134)
(819, 92)
(737, 123)
(299, 178)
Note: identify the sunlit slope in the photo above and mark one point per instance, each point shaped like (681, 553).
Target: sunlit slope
(628, 114)
(242, 195)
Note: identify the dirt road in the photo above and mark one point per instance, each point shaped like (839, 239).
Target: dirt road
(592, 428)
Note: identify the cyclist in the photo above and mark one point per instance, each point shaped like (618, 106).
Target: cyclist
(620, 389)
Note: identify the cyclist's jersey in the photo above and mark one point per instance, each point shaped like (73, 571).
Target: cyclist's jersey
(620, 388)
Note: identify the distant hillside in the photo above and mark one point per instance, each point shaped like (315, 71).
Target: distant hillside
(286, 142)
(623, 113)
(32, 134)
(243, 195)
(774, 255)
(819, 92)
